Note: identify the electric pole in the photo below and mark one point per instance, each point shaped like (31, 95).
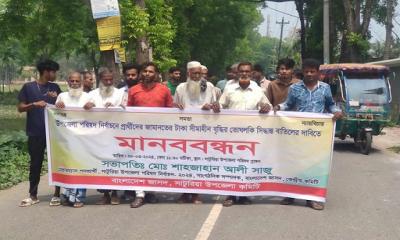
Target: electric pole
(282, 23)
(326, 32)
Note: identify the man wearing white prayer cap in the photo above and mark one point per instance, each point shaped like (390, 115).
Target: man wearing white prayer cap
(195, 93)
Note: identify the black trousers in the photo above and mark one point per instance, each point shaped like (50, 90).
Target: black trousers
(36, 147)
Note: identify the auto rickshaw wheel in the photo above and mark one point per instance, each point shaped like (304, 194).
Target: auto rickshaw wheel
(365, 142)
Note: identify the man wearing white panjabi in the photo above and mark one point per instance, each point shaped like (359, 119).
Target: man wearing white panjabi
(106, 96)
(75, 97)
(196, 92)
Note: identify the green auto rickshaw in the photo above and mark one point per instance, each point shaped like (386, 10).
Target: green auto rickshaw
(363, 93)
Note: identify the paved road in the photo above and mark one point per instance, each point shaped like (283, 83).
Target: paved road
(363, 203)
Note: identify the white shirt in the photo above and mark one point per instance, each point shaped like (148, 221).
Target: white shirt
(233, 83)
(73, 101)
(264, 83)
(125, 90)
(115, 99)
(182, 96)
(251, 98)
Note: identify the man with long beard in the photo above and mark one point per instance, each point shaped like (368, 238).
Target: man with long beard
(75, 97)
(106, 96)
(242, 96)
(196, 93)
(148, 93)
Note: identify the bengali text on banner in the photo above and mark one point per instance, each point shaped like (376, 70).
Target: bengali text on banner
(158, 149)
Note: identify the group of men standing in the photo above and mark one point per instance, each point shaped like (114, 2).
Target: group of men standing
(245, 88)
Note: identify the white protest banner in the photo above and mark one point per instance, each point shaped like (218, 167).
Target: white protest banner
(160, 149)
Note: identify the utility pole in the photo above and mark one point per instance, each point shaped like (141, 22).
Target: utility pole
(268, 26)
(143, 49)
(282, 23)
(326, 32)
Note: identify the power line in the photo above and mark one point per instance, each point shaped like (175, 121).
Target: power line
(279, 11)
(394, 19)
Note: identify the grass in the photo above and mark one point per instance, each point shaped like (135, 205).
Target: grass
(11, 119)
(395, 149)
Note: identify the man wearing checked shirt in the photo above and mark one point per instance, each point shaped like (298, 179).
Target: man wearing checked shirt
(310, 95)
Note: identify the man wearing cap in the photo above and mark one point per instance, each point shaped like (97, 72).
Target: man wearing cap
(195, 93)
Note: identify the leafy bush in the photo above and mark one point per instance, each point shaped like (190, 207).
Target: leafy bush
(9, 98)
(14, 159)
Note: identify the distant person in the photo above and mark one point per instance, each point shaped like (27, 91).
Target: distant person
(206, 76)
(228, 76)
(33, 98)
(204, 72)
(88, 81)
(310, 95)
(174, 79)
(278, 89)
(259, 78)
(298, 74)
(75, 97)
(131, 78)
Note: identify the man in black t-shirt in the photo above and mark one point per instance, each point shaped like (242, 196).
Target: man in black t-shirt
(33, 98)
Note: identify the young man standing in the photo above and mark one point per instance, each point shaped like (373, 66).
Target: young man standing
(148, 93)
(174, 79)
(33, 98)
(310, 95)
(278, 90)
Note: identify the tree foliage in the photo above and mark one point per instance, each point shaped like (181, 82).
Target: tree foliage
(215, 32)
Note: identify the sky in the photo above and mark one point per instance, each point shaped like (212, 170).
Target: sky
(276, 11)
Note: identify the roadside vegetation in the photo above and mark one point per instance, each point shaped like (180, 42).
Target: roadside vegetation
(14, 158)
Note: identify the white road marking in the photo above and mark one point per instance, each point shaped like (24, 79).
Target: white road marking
(209, 223)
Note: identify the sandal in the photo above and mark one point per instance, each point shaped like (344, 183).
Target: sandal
(315, 205)
(28, 202)
(229, 201)
(55, 201)
(78, 205)
(196, 199)
(114, 200)
(138, 202)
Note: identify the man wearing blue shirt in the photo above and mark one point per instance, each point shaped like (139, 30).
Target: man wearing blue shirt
(310, 95)
(33, 98)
